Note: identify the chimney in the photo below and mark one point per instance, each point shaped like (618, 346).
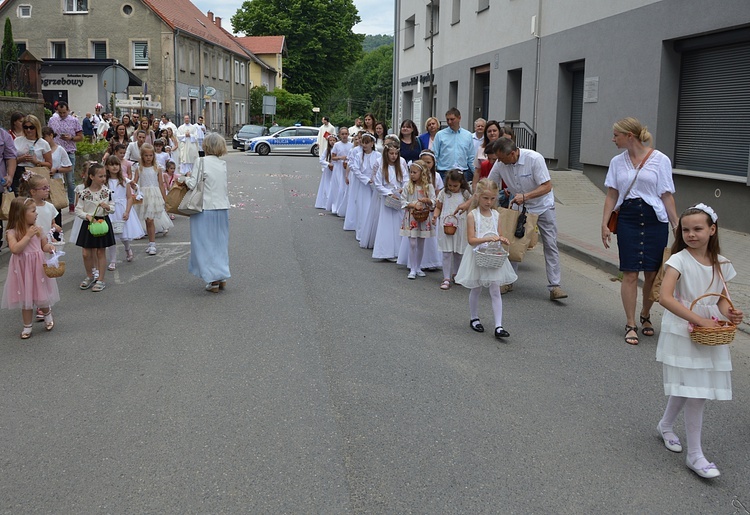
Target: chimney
(210, 16)
(218, 22)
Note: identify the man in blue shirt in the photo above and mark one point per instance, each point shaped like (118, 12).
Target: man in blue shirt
(454, 147)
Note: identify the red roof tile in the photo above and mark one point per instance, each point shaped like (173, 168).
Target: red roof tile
(185, 16)
(264, 44)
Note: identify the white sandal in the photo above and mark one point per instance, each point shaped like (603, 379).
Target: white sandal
(26, 333)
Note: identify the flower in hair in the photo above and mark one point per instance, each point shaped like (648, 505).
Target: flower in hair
(27, 175)
(708, 210)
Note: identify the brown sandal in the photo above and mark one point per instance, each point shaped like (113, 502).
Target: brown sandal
(631, 340)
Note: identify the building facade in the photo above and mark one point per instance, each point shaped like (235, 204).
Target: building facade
(185, 60)
(566, 71)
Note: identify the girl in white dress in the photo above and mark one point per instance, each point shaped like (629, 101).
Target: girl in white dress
(340, 156)
(455, 193)
(355, 185)
(389, 182)
(125, 222)
(363, 165)
(694, 372)
(326, 168)
(432, 258)
(150, 183)
(418, 195)
(483, 226)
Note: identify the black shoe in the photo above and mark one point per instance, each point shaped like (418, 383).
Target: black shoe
(501, 333)
(474, 324)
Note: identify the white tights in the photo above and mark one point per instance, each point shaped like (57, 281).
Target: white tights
(112, 251)
(451, 262)
(497, 303)
(416, 251)
(693, 424)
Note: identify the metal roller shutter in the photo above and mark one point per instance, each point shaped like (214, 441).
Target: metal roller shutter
(713, 123)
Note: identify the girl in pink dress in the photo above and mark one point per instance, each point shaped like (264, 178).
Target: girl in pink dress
(26, 285)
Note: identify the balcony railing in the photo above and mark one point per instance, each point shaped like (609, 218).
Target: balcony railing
(525, 136)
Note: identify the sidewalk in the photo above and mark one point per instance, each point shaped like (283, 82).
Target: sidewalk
(579, 205)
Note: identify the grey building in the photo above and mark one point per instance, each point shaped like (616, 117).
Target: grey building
(566, 71)
(185, 60)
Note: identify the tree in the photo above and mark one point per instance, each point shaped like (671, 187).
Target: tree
(9, 52)
(366, 88)
(318, 35)
(290, 107)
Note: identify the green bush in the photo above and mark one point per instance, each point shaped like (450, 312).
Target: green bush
(84, 148)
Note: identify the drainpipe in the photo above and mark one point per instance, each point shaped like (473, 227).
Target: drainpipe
(538, 66)
(176, 64)
(396, 44)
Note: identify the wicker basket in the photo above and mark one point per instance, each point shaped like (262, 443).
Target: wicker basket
(490, 255)
(450, 225)
(420, 215)
(393, 202)
(52, 272)
(721, 335)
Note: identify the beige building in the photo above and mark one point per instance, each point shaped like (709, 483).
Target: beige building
(271, 50)
(186, 61)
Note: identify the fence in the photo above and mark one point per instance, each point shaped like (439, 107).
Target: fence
(15, 80)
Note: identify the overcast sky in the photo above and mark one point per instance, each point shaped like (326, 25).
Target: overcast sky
(377, 15)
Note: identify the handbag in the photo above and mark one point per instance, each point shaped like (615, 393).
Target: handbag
(612, 222)
(8, 197)
(174, 196)
(98, 227)
(508, 225)
(520, 229)
(656, 288)
(192, 202)
(57, 194)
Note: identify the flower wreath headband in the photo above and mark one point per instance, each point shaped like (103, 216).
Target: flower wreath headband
(708, 210)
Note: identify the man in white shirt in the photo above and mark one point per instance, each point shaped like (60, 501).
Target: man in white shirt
(188, 139)
(200, 135)
(164, 123)
(354, 129)
(478, 136)
(323, 133)
(526, 175)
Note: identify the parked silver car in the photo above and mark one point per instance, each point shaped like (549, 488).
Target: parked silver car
(291, 139)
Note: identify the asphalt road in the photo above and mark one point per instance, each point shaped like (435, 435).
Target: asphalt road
(322, 381)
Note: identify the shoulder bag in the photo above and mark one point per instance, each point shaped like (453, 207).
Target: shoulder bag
(612, 222)
(192, 202)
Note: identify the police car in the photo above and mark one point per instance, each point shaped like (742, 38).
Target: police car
(297, 139)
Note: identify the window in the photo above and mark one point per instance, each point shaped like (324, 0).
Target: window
(76, 6)
(99, 49)
(409, 28)
(21, 46)
(242, 73)
(24, 11)
(221, 69)
(242, 113)
(236, 72)
(226, 70)
(140, 54)
(213, 65)
(237, 120)
(191, 60)
(483, 5)
(205, 64)
(432, 18)
(182, 58)
(57, 50)
(456, 12)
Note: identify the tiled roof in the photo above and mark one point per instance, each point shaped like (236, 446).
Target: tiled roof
(185, 16)
(264, 44)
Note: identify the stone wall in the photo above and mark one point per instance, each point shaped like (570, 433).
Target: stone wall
(9, 105)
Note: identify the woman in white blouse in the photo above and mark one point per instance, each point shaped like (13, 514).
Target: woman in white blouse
(209, 229)
(639, 182)
(31, 149)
